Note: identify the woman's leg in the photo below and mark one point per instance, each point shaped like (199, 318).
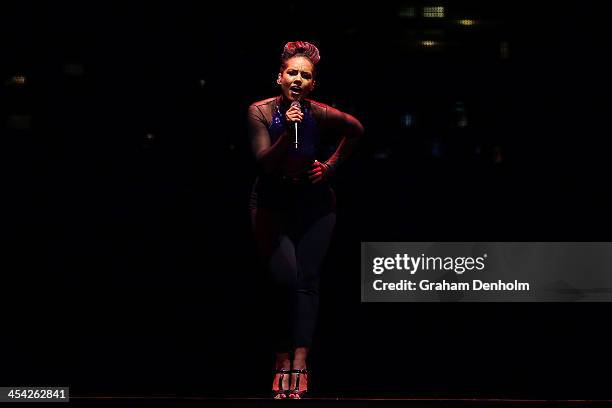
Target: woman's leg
(311, 249)
(278, 253)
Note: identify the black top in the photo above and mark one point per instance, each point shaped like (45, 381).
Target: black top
(272, 139)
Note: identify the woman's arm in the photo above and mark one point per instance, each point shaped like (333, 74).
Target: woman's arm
(351, 131)
(269, 156)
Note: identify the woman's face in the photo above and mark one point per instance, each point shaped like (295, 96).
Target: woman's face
(297, 79)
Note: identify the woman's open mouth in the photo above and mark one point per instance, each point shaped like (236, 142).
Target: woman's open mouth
(295, 90)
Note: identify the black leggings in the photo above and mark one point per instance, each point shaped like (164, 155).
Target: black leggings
(293, 224)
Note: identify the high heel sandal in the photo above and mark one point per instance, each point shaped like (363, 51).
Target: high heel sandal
(280, 393)
(295, 393)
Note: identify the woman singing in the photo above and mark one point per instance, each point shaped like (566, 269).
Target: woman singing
(292, 205)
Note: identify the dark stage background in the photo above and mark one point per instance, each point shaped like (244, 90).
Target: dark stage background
(130, 267)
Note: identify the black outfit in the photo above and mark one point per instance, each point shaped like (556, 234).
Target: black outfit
(293, 219)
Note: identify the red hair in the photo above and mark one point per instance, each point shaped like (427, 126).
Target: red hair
(300, 48)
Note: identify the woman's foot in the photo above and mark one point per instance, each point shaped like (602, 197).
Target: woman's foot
(299, 384)
(299, 374)
(280, 384)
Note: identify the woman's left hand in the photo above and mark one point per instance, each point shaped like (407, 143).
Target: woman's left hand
(318, 172)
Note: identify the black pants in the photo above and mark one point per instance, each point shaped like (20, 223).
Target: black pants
(293, 223)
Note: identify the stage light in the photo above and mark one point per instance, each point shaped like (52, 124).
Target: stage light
(381, 154)
(498, 156)
(460, 114)
(74, 69)
(18, 80)
(433, 12)
(437, 149)
(407, 120)
(407, 12)
(202, 83)
(429, 43)
(19, 122)
(504, 50)
(467, 22)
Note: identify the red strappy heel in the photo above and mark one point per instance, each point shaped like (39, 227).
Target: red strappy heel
(280, 393)
(295, 392)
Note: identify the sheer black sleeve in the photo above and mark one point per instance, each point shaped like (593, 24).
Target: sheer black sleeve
(350, 130)
(269, 156)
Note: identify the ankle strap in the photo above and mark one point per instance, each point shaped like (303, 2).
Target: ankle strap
(298, 378)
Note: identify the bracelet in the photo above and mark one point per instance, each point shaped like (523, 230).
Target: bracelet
(327, 167)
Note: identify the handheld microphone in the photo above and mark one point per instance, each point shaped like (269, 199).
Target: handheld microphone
(295, 124)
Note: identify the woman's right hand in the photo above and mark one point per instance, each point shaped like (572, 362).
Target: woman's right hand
(294, 114)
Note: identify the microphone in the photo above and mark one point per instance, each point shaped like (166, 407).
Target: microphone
(295, 124)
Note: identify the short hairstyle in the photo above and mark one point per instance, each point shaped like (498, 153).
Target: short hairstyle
(301, 49)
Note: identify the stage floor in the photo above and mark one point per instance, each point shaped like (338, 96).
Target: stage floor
(414, 402)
